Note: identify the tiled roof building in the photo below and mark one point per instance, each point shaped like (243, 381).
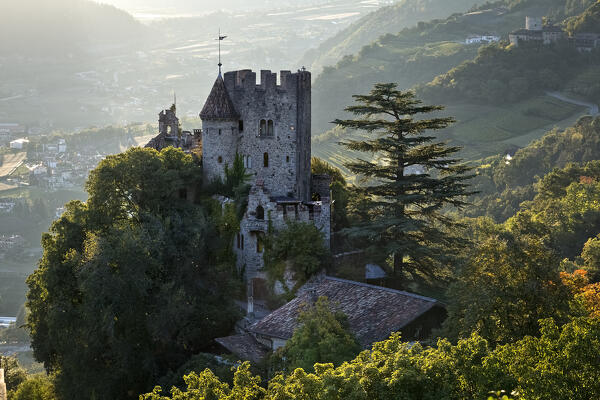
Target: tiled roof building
(373, 313)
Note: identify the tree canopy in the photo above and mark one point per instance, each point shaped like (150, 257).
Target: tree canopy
(322, 336)
(132, 282)
(405, 220)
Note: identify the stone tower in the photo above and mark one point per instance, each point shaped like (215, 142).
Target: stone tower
(268, 125)
(533, 23)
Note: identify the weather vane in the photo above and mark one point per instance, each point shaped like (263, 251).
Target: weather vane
(221, 37)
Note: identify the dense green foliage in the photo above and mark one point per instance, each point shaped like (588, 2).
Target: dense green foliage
(322, 336)
(14, 374)
(405, 219)
(507, 284)
(500, 73)
(295, 253)
(588, 21)
(38, 387)
(504, 185)
(560, 364)
(125, 289)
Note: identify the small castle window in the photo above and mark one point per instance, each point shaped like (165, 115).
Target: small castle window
(260, 244)
(262, 129)
(260, 212)
(266, 160)
(219, 132)
(220, 159)
(270, 129)
(240, 125)
(287, 158)
(239, 241)
(242, 241)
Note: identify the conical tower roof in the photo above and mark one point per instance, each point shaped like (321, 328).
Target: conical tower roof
(218, 105)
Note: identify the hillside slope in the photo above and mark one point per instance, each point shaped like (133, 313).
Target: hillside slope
(389, 19)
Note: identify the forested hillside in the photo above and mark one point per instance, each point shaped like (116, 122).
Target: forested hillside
(61, 27)
(415, 54)
(390, 19)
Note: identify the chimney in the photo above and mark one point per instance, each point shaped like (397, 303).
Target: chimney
(2, 385)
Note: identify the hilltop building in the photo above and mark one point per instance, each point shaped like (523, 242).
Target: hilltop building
(373, 312)
(535, 31)
(170, 133)
(269, 126)
(486, 38)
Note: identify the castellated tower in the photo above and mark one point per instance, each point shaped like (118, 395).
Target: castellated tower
(267, 124)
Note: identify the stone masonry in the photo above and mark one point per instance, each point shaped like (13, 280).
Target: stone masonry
(268, 125)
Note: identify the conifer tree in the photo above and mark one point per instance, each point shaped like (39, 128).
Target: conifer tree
(405, 221)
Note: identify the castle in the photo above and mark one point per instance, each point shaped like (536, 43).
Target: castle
(535, 31)
(269, 126)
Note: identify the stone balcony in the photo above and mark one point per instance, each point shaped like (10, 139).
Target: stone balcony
(256, 225)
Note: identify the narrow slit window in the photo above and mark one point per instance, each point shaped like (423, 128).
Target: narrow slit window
(262, 130)
(270, 129)
(240, 125)
(242, 241)
(259, 243)
(266, 160)
(260, 212)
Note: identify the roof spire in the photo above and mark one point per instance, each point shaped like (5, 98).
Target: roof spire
(221, 37)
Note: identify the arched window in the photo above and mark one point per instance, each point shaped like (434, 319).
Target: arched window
(260, 212)
(220, 159)
(266, 160)
(262, 128)
(270, 128)
(169, 130)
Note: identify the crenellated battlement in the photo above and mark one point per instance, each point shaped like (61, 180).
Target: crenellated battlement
(246, 79)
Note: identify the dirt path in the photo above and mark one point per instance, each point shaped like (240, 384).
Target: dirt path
(593, 108)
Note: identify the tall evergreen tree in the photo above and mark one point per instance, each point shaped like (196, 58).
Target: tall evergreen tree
(405, 221)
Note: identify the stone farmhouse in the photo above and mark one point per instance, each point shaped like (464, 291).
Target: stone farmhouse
(535, 31)
(373, 312)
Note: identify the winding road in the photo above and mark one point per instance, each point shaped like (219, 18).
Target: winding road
(593, 108)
